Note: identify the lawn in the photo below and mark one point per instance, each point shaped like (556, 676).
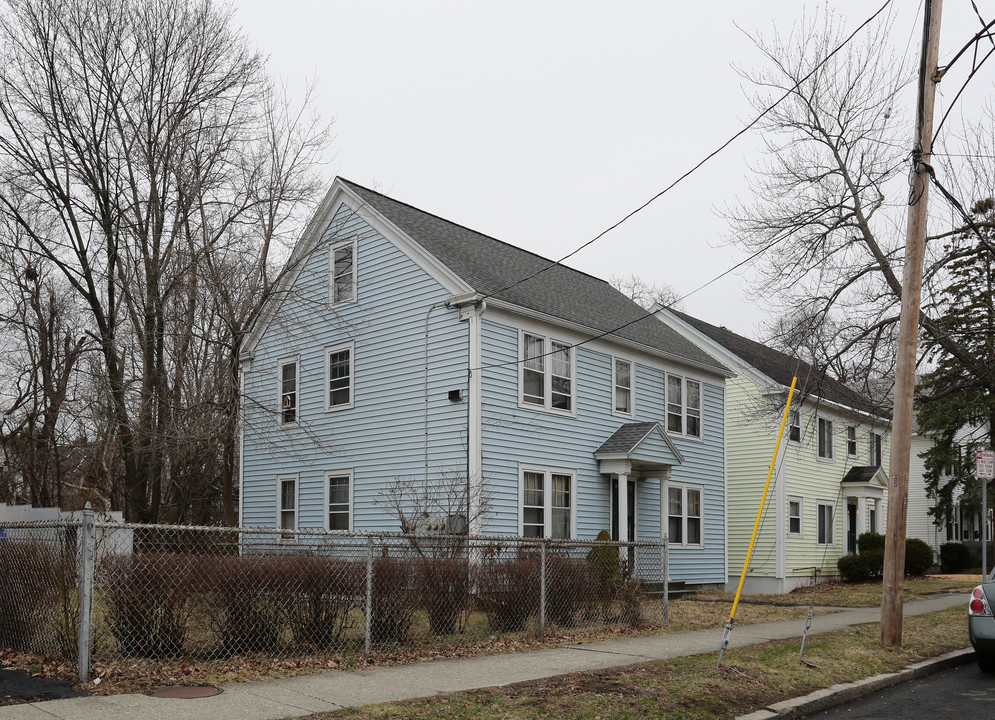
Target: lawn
(690, 688)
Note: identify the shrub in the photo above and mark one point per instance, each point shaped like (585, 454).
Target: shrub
(853, 568)
(954, 557)
(146, 598)
(444, 586)
(918, 557)
(568, 588)
(604, 569)
(249, 601)
(29, 592)
(508, 591)
(870, 541)
(325, 591)
(394, 600)
(874, 560)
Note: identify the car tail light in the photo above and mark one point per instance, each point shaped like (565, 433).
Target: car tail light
(978, 604)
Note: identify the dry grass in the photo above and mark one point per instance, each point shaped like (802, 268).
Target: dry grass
(690, 688)
(851, 595)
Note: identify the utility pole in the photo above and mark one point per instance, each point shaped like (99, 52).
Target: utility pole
(915, 241)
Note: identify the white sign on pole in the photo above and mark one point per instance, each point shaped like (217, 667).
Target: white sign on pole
(984, 464)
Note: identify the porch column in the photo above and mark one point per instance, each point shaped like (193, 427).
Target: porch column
(861, 516)
(622, 503)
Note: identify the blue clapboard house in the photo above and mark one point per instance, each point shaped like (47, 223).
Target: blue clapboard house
(402, 346)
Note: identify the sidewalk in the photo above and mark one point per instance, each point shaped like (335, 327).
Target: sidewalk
(302, 695)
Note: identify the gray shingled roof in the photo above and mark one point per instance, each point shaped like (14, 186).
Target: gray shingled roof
(626, 438)
(780, 367)
(489, 266)
(861, 474)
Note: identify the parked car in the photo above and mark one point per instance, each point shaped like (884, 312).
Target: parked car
(981, 624)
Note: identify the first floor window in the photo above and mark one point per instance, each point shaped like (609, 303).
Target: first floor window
(851, 441)
(876, 449)
(825, 438)
(872, 518)
(826, 512)
(794, 516)
(288, 391)
(623, 387)
(684, 514)
(338, 501)
(340, 375)
(547, 503)
(287, 491)
(794, 426)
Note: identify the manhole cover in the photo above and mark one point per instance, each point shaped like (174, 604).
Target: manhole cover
(186, 692)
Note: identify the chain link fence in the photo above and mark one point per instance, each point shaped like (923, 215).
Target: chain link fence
(89, 589)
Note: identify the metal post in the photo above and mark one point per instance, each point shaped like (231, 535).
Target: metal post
(542, 587)
(369, 592)
(984, 529)
(665, 570)
(86, 559)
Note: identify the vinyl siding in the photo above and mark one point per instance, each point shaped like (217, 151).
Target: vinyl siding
(920, 522)
(751, 439)
(512, 435)
(383, 436)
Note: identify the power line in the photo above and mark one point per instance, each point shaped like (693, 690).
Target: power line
(704, 160)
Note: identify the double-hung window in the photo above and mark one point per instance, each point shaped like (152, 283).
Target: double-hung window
(825, 438)
(875, 449)
(547, 373)
(343, 280)
(826, 512)
(794, 516)
(851, 441)
(287, 503)
(339, 372)
(623, 382)
(339, 484)
(684, 516)
(683, 406)
(288, 391)
(547, 502)
(794, 426)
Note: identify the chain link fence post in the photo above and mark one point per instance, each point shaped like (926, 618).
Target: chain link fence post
(86, 560)
(542, 586)
(369, 593)
(665, 570)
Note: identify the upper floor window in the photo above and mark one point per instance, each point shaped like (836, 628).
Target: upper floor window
(288, 391)
(684, 514)
(339, 371)
(344, 272)
(794, 426)
(339, 500)
(622, 382)
(876, 449)
(547, 373)
(547, 503)
(683, 406)
(851, 441)
(825, 438)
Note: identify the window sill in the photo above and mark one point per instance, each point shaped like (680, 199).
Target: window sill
(548, 411)
(337, 408)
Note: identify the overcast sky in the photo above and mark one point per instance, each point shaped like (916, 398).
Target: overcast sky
(543, 123)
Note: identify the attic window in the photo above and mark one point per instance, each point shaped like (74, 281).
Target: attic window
(343, 279)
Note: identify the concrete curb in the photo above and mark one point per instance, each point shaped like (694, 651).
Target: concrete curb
(845, 692)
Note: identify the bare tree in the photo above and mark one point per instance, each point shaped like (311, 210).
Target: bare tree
(645, 293)
(141, 142)
(829, 203)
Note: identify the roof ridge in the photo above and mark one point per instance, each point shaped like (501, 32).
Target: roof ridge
(476, 232)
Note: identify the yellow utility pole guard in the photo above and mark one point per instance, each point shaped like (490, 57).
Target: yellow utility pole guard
(756, 524)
